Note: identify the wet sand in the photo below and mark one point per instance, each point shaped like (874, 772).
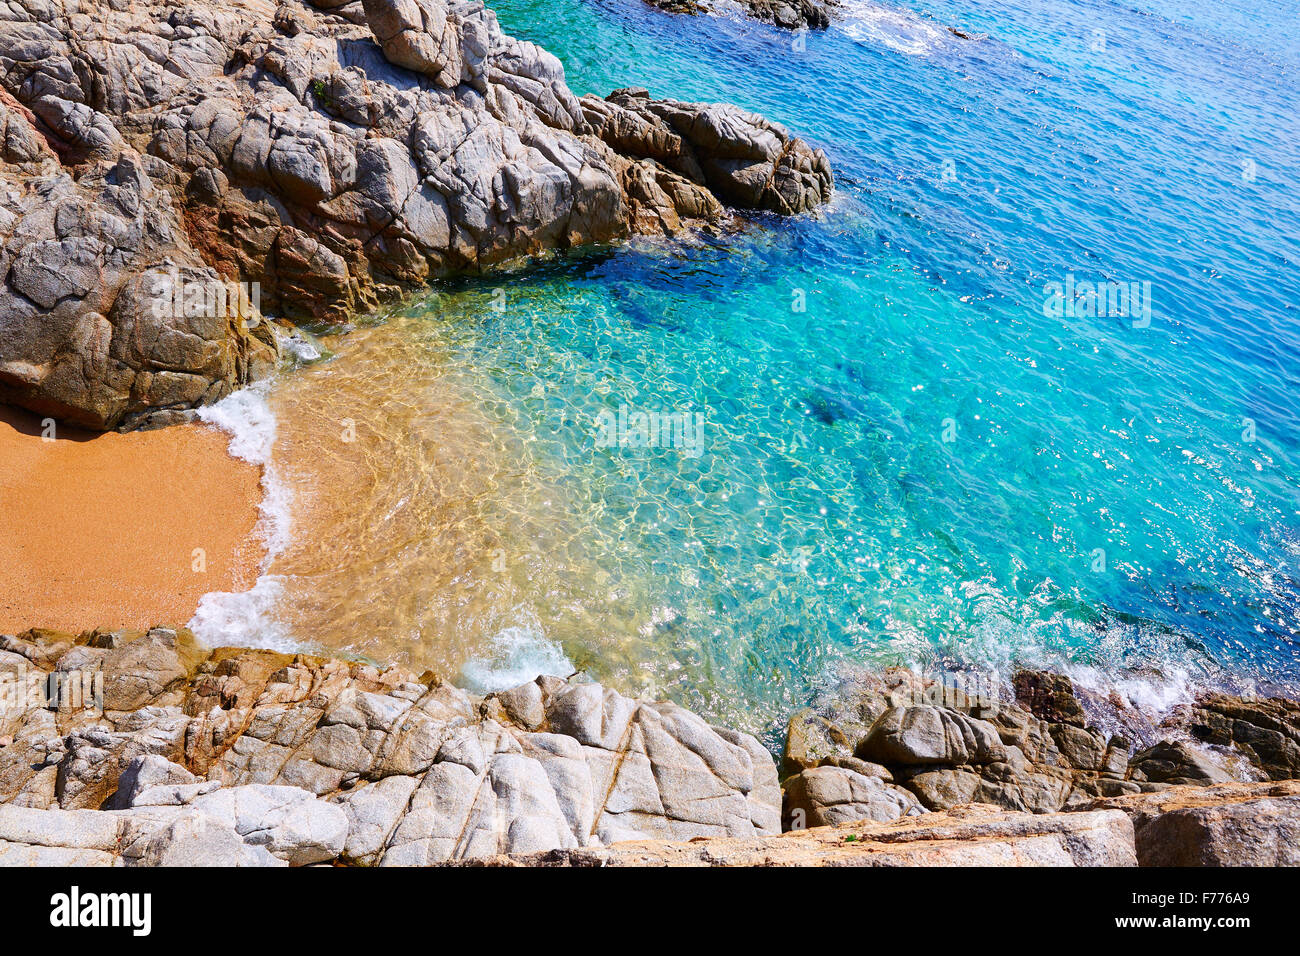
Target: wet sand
(120, 530)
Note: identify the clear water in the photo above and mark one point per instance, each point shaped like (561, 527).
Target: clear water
(921, 464)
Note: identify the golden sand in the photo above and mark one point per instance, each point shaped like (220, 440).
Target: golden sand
(120, 530)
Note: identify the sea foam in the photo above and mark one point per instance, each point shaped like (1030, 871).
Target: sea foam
(899, 30)
(516, 656)
(248, 618)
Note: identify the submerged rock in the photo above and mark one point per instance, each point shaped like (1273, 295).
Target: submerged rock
(337, 155)
(790, 14)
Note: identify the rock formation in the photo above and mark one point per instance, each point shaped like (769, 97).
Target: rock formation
(1233, 824)
(790, 14)
(801, 15)
(1253, 824)
(313, 760)
(88, 256)
(337, 155)
(883, 747)
(969, 836)
(128, 748)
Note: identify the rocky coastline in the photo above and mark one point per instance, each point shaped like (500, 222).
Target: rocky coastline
(172, 173)
(796, 15)
(145, 748)
(788, 14)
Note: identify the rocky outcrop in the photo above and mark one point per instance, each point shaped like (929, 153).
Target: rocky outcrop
(1265, 731)
(790, 14)
(313, 759)
(90, 261)
(194, 825)
(741, 158)
(970, 836)
(1039, 752)
(800, 15)
(337, 155)
(1255, 824)
(831, 794)
(122, 748)
(1231, 824)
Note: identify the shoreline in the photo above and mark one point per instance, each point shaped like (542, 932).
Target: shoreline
(132, 528)
(62, 567)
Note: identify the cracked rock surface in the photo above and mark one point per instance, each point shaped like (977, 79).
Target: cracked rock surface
(264, 758)
(338, 154)
(896, 744)
(121, 748)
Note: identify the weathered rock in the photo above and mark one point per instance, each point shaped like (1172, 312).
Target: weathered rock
(810, 738)
(373, 811)
(930, 735)
(95, 756)
(143, 671)
(289, 823)
(247, 758)
(742, 158)
(790, 14)
(193, 839)
(88, 327)
(949, 747)
(337, 156)
(1234, 824)
(972, 836)
(825, 796)
(1175, 763)
(243, 826)
(1083, 749)
(149, 778)
(318, 760)
(1266, 732)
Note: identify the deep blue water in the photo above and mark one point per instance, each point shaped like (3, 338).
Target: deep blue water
(922, 465)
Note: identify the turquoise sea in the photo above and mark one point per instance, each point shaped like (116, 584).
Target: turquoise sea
(910, 450)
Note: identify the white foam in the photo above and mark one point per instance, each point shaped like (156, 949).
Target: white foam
(247, 417)
(1153, 696)
(301, 348)
(899, 30)
(247, 618)
(517, 655)
(244, 618)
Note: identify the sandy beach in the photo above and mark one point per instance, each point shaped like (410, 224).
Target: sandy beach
(120, 530)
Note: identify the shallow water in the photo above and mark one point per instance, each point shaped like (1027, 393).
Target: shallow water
(906, 454)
